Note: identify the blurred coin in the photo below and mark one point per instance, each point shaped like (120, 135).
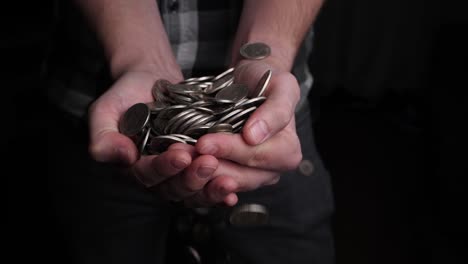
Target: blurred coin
(237, 127)
(198, 123)
(178, 119)
(262, 84)
(221, 83)
(233, 93)
(159, 89)
(256, 101)
(255, 51)
(183, 89)
(134, 119)
(145, 141)
(197, 132)
(228, 71)
(244, 114)
(229, 115)
(223, 127)
(160, 144)
(156, 106)
(188, 123)
(249, 215)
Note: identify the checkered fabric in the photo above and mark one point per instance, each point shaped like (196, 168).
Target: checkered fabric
(200, 32)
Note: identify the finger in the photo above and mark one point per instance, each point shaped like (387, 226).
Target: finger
(152, 170)
(230, 178)
(186, 147)
(276, 112)
(245, 178)
(106, 143)
(281, 152)
(218, 190)
(192, 180)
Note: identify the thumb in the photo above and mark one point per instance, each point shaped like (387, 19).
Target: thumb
(106, 143)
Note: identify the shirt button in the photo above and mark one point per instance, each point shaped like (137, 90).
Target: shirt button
(173, 5)
(306, 168)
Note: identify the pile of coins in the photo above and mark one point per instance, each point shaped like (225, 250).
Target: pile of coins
(185, 111)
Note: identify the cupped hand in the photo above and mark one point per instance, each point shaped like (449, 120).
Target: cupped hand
(267, 146)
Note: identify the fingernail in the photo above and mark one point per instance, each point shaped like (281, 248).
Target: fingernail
(204, 171)
(179, 163)
(209, 149)
(258, 131)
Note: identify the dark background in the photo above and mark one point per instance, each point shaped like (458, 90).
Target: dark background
(389, 104)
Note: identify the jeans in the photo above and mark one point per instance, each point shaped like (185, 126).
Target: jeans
(108, 217)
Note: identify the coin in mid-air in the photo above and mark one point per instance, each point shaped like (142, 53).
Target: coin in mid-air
(249, 215)
(255, 51)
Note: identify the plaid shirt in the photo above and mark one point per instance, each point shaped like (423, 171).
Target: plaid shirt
(200, 32)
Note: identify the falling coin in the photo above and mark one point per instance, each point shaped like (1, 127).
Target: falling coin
(249, 215)
(262, 84)
(255, 51)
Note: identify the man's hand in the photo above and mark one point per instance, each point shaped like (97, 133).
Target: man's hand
(178, 173)
(267, 146)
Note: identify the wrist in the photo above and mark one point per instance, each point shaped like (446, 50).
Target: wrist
(281, 57)
(162, 68)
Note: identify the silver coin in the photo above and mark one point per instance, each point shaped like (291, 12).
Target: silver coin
(145, 141)
(175, 127)
(204, 110)
(172, 110)
(186, 138)
(241, 115)
(187, 124)
(198, 79)
(255, 51)
(220, 84)
(233, 93)
(160, 144)
(156, 106)
(192, 129)
(218, 128)
(240, 102)
(228, 115)
(197, 132)
(200, 103)
(237, 127)
(134, 119)
(159, 89)
(158, 124)
(257, 101)
(228, 71)
(182, 99)
(249, 215)
(221, 109)
(183, 89)
(177, 119)
(261, 85)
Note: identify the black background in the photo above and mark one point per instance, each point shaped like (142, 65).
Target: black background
(390, 104)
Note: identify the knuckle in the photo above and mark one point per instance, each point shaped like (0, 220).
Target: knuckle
(258, 159)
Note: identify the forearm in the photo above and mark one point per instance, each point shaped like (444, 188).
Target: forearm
(280, 24)
(133, 36)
